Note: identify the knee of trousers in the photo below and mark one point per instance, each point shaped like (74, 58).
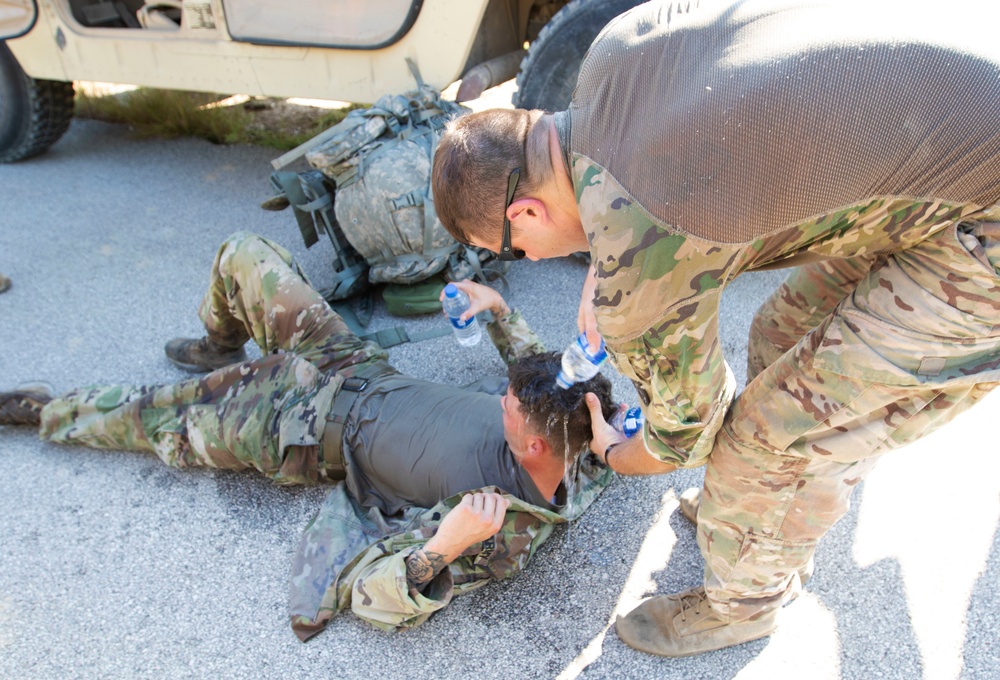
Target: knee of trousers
(244, 251)
(761, 351)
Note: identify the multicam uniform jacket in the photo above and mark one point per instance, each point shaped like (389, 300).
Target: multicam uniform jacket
(353, 557)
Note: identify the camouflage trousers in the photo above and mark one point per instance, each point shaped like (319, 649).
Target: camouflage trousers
(266, 414)
(848, 359)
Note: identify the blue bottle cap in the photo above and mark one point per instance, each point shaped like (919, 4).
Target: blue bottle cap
(597, 357)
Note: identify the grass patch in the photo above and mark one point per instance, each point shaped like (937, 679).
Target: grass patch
(172, 113)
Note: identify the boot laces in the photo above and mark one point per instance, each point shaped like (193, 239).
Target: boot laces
(691, 600)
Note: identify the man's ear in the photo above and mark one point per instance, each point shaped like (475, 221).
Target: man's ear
(529, 209)
(538, 446)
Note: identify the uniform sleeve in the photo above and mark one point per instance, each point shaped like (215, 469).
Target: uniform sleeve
(657, 305)
(513, 338)
(682, 378)
(382, 596)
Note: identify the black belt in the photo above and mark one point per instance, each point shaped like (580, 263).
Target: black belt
(330, 452)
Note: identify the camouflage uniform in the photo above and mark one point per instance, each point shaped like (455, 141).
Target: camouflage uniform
(353, 557)
(889, 329)
(269, 414)
(266, 414)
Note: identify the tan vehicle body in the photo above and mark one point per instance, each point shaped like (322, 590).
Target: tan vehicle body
(201, 55)
(347, 50)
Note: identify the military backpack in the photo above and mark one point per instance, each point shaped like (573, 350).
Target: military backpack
(369, 191)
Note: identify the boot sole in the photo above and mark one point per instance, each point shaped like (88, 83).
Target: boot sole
(201, 368)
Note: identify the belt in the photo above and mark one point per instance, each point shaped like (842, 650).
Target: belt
(330, 453)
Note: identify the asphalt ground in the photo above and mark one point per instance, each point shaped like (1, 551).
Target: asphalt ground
(113, 565)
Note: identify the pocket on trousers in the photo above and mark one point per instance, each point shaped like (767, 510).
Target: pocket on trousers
(862, 346)
(764, 563)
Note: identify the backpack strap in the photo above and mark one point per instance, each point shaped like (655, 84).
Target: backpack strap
(288, 184)
(416, 72)
(312, 203)
(387, 337)
(390, 337)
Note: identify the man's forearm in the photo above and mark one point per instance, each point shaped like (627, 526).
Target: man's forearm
(631, 458)
(422, 566)
(512, 336)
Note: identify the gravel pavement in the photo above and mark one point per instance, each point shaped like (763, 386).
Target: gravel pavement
(113, 565)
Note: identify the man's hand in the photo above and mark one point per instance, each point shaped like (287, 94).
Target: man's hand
(480, 297)
(586, 321)
(478, 517)
(629, 456)
(603, 434)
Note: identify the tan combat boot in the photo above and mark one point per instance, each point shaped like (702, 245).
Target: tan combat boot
(201, 355)
(690, 502)
(23, 405)
(685, 624)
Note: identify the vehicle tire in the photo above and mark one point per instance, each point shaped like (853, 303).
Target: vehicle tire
(34, 114)
(548, 73)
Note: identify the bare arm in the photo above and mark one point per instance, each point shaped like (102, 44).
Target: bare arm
(481, 298)
(478, 517)
(624, 456)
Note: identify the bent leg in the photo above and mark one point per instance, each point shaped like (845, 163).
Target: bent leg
(258, 291)
(806, 297)
(916, 344)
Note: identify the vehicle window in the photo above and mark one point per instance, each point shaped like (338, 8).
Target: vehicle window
(359, 24)
(16, 18)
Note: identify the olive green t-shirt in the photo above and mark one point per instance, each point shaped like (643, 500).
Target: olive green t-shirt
(409, 442)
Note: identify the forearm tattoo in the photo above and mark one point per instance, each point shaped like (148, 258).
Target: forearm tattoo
(422, 567)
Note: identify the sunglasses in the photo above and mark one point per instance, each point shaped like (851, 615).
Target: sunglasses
(508, 254)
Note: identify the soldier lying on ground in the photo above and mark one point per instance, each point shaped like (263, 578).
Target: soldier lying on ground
(411, 525)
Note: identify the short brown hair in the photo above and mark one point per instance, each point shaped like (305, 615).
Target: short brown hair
(475, 157)
(560, 415)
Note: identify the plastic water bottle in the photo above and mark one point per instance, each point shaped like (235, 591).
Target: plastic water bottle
(628, 422)
(468, 332)
(579, 363)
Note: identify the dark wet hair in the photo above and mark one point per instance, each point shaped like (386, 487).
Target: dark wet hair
(548, 407)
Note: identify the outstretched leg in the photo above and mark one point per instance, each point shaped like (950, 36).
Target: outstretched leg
(260, 414)
(265, 414)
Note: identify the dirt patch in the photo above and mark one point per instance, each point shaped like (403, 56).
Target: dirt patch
(285, 118)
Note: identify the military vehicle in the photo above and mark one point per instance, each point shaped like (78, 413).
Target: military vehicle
(349, 50)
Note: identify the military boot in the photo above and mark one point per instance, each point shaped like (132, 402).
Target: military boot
(4, 283)
(690, 501)
(201, 355)
(685, 624)
(23, 405)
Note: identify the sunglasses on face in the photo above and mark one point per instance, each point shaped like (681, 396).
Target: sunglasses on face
(508, 254)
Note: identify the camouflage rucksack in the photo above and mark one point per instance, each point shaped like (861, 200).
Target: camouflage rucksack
(370, 193)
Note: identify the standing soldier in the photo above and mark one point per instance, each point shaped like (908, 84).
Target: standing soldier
(860, 141)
